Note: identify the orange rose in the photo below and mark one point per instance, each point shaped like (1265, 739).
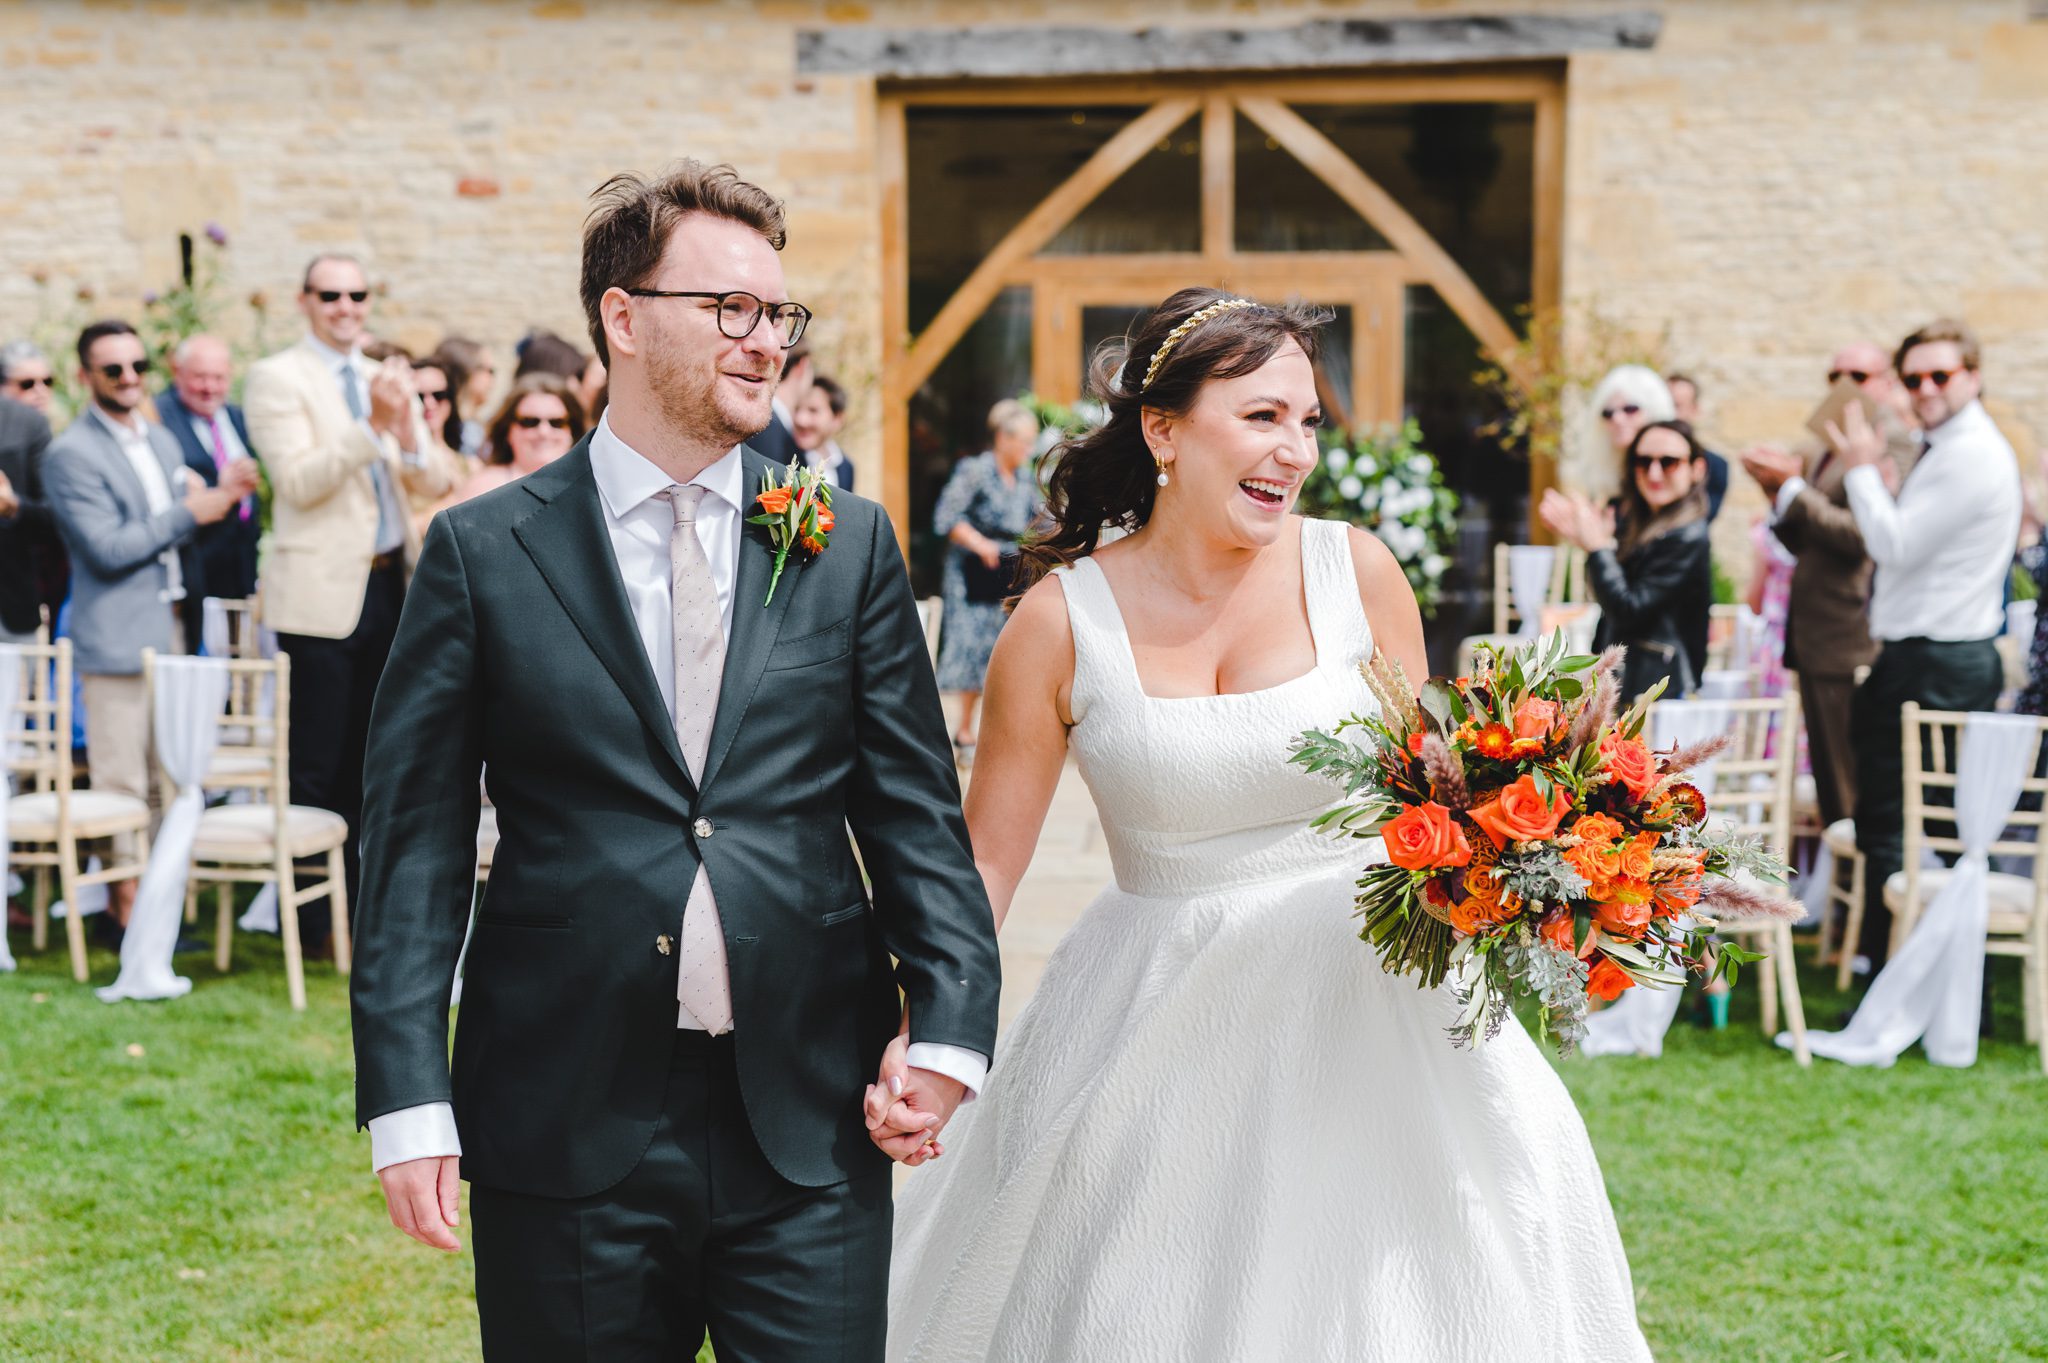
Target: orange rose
(775, 500)
(1474, 914)
(1597, 829)
(1557, 930)
(1534, 717)
(1628, 762)
(1426, 837)
(1608, 980)
(1623, 917)
(1637, 856)
(1519, 814)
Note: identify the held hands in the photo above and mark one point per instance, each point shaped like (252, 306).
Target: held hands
(907, 1108)
(424, 1198)
(211, 504)
(1771, 467)
(1575, 518)
(239, 477)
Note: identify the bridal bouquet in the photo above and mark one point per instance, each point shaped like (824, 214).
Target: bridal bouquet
(1535, 845)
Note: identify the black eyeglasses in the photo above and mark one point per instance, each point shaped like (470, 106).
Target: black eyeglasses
(1938, 377)
(1856, 376)
(534, 423)
(29, 385)
(740, 312)
(336, 295)
(433, 395)
(1627, 409)
(112, 373)
(1663, 463)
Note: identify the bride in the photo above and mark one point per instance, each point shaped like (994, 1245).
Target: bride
(1218, 1130)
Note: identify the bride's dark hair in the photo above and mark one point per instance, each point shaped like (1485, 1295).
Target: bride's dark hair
(1107, 477)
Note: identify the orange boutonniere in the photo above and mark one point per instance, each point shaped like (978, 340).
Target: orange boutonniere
(796, 508)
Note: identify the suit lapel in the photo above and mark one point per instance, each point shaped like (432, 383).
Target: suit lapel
(754, 626)
(568, 542)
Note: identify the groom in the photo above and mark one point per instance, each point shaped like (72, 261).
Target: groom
(681, 978)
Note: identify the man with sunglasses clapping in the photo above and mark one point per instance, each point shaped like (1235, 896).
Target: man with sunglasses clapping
(344, 441)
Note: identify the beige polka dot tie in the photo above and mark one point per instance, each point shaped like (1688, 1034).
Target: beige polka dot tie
(703, 986)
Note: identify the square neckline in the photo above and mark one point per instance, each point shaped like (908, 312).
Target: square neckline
(1130, 656)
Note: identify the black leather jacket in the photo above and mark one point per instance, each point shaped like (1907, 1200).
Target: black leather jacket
(1656, 603)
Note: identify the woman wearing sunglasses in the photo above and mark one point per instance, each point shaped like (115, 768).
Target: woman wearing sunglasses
(1652, 573)
(537, 423)
(1630, 397)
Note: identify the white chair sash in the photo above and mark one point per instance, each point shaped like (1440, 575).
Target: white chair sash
(10, 696)
(1931, 991)
(190, 695)
(1529, 567)
(1635, 1023)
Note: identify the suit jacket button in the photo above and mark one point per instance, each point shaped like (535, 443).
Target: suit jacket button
(702, 828)
(665, 944)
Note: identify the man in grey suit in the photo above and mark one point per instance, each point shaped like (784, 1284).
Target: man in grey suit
(24, 516)
(125, 511)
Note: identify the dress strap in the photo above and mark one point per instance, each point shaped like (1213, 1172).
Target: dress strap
(1102, 652)
(1335, 614)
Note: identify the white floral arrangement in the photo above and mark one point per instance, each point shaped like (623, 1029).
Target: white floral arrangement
(1382, 480)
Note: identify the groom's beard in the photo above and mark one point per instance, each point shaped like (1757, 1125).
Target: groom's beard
(694, 398)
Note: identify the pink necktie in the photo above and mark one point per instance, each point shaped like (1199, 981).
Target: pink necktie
(220, 457)
(703, 985)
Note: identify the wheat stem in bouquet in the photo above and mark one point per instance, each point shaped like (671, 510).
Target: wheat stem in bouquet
(1534, 844)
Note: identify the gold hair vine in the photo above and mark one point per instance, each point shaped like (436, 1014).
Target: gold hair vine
(1194, 319)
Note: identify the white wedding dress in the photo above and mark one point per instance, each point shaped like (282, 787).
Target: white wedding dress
(1219, 1131)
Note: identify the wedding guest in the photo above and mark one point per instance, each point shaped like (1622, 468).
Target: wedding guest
(1685, 406)
(26, 375)
(474, 376)
(344, 442)
(128, 509)
(778, 441)
(1827, 621)
(444, 428)
(1652, 571)
(1943, 546)
(212, 434)
(24, 518)
(987, 505)
(1628, 398)
(537, 424)
(818, 420)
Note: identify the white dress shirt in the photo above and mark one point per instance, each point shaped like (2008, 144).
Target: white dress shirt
(638, 524)
(1944, 546)
(133, 438)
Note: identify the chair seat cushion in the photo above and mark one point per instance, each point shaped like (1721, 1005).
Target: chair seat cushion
(2012, 898)
(94, 814)
(1840, 836)
(247, 832)
(230, 764)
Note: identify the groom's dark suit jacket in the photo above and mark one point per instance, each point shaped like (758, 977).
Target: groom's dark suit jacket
(517, 652)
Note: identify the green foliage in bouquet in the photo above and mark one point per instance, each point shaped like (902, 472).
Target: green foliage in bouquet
(1384, 481)
(1535, 846)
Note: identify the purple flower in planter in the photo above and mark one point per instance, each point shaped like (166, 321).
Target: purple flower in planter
(216, 234)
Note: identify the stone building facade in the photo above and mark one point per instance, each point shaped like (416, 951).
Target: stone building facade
(1763, 180)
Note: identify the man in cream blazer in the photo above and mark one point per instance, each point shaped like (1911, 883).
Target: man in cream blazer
(343, 443)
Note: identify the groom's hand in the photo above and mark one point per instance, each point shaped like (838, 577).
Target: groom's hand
(424, 1197)
(907, 1108)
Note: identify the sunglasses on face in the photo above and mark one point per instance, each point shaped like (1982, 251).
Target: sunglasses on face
(1938, 377)
(1626, 409)
(1859, 377)
(534, 423)
(433, 395)
(113, 373)
(30, 385)
(1663, 463)
(336, 295)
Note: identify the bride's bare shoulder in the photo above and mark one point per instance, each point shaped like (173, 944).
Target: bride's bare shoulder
(1034, 654)
(1389, 601)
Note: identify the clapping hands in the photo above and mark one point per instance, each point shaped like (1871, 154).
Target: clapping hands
(907, 1108)
(1575, 518)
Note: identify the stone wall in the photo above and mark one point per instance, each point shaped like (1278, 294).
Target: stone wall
(1775, 176)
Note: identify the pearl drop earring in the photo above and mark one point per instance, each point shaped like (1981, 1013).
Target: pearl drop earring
(1163, 479)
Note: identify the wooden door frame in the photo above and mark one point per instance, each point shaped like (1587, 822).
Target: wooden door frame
(1168, 102)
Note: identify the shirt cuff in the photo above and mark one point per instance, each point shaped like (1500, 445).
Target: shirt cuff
(957, 1063)
(1788, 492)
(1866, 473)
(411, 1133)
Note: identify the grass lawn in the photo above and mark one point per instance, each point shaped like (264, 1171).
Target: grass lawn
(206, 1197)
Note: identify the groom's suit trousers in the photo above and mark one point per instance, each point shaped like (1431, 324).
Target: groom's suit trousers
(702, 1234)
